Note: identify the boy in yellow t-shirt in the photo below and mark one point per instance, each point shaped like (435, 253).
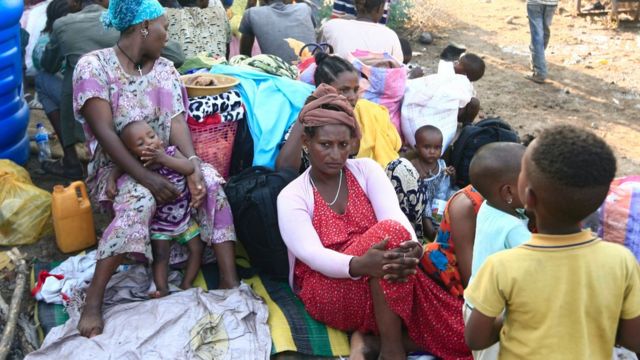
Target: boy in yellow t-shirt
(566, 293)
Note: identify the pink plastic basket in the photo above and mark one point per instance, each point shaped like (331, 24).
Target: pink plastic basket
(214, 144)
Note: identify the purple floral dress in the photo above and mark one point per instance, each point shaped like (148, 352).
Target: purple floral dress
(155, 98)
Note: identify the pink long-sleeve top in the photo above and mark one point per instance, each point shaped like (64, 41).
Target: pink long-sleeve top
(295, 214)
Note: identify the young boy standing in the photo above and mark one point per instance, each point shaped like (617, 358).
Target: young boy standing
(566, 293)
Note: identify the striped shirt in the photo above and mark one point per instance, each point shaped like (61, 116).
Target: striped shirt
(347, 8)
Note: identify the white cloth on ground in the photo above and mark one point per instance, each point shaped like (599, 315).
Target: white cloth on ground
(191, 324)
(77, 273)
(435, 100)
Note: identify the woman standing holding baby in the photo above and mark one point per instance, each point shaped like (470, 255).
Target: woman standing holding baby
(114, 87)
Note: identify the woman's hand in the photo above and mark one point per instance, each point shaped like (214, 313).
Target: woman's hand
(402, 261)
(112, 187)
(161, 188)
(198, 191)
(392, 265)
(371, 263)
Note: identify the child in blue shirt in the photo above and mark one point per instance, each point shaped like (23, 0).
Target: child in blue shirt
(500, 224)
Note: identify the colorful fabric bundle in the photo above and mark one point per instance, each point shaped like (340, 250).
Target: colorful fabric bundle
(620, 214)
(272, 104)
(269, 64)
(383, 81)
(215, 109)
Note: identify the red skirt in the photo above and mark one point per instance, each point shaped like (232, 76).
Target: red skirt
(432, 316)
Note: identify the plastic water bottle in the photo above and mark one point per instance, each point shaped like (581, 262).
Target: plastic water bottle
(42, 139)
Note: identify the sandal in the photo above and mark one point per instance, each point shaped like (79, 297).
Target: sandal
(56, 168)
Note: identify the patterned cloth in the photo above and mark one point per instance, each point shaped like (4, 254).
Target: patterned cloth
(417, 196)
(172, 219)
(404, 177)
(125, 13)
(155, 98)
(383, 81)
(432, 316)
(269, 64)
(439, 260)
(200, 30)
(272, 104)
(619, 214)
(215, 109)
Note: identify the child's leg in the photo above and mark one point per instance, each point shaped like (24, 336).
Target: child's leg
(91, 322)
(161, 250)
(196, 247)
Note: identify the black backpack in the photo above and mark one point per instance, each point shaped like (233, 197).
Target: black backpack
(253, 195)
(473, 137)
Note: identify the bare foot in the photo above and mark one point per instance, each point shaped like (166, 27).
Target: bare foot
(229, 283)
(91, 323)
(159, 293)
(363, 347)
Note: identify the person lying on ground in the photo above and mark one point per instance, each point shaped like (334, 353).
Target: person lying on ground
(564, 284)
(362, 33)
(72, 37)
(353, 253)
(274, 22)
(423, 184)
(172, 221)
(380, 139)
(112, 88)
(443, 99)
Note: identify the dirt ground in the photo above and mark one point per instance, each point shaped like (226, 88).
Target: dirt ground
(593, 68)
(593, 72)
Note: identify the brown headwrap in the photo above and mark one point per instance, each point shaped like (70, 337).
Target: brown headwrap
(313, 114)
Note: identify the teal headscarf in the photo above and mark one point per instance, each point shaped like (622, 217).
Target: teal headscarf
(125, 13)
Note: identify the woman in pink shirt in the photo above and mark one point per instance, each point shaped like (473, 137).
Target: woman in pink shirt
(353, 253)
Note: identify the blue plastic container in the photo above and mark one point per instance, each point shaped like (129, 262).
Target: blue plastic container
(14, 111)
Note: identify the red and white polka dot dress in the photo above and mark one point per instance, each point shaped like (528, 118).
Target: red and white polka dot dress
(432, 316)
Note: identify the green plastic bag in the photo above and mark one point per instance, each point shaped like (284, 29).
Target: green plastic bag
(25, 209)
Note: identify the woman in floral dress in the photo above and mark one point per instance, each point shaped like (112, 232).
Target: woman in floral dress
(126, 83)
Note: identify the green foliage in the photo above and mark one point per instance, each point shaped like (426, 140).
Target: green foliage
(325, 10)
(399, 13)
